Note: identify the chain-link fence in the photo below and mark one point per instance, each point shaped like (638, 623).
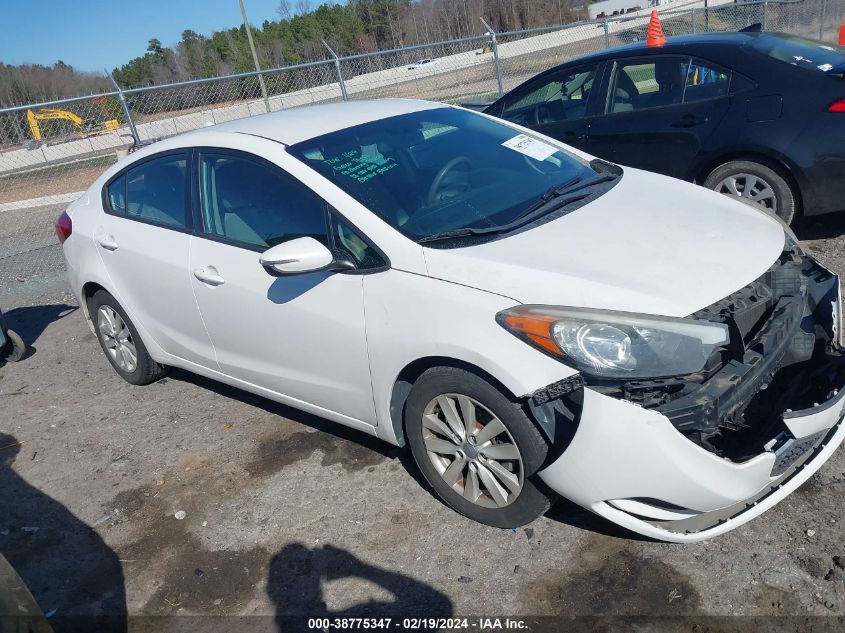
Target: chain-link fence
(50, 152)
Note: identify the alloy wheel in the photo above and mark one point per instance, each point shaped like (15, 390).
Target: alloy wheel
(472, 450)
(749, 188)
(117, 339)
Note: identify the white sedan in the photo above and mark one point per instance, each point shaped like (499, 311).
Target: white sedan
(424, 63)
(530, 320)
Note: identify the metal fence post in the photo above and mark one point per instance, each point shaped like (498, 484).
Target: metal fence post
(765, 6)
(693, 20)
(339, 72)
(248, 30)
(122, 98)
(495, 47)
(822, 18)
(606, 35)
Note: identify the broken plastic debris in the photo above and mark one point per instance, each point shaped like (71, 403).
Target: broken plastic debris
(181, 514)
(105, 517)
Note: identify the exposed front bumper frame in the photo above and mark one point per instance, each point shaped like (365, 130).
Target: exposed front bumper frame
(631, 465)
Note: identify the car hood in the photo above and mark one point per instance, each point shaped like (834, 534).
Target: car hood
(651, 244)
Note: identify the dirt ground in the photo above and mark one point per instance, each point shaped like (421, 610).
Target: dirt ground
(287, 514)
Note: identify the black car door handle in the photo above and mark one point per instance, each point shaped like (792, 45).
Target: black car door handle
(690, 120)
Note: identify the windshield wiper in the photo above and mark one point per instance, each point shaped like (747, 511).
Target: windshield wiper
(562, 195)
(448, 235)
(552, 199)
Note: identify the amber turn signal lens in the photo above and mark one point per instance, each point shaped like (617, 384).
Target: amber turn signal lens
(537, 328)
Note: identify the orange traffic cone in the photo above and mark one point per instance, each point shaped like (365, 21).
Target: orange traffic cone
(654, 37)
(842, 34)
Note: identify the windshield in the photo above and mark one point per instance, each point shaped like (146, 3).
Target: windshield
(801, 52)
(441, 170)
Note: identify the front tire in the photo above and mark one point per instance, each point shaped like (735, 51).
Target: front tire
(755, 183)
(476, 448)
(121, 343)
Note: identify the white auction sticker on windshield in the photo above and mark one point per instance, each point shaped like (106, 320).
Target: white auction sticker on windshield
(529, 146)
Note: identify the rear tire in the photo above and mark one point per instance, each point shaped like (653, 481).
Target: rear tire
(121, 343)
(755, 183)
(476, 448)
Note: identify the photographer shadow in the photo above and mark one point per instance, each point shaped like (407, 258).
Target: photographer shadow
(295, 586)
(64, 563)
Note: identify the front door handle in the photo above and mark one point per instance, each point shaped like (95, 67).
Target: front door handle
(690, 120)
(107, 242)
(209, 275)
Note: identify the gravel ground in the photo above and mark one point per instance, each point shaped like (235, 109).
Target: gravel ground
(285, 513)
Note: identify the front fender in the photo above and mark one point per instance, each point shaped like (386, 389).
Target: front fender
(411, 317)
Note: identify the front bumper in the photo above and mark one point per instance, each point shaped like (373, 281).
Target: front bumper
(631, 466)
(638, 467)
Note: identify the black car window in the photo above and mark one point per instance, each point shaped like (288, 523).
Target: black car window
(116, 193)
(253, 204)
(558, 97)
(656, 82)
(803, 53)
(155, 191)
(351, 244)
(705, 81)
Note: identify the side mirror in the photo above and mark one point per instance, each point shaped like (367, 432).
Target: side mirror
(302, 255)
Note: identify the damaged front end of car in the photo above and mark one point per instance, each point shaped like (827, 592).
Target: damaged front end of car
(784, 355)
(685, 456)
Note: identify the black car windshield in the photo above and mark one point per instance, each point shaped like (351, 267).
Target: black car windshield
(804, 53)
(446, 171)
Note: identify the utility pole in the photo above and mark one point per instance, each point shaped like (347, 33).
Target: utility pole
(254, 56)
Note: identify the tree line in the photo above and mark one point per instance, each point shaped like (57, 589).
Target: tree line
(28, 83)
(359, 26)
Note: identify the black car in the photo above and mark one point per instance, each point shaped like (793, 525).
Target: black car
(755, 115)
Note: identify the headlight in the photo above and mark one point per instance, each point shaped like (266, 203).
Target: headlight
(610, 344)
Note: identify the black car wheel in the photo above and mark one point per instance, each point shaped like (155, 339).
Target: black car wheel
(755, 183)
(476, 448)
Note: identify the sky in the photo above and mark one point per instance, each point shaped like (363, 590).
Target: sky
(96, 34)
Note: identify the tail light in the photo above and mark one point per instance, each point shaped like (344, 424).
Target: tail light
(837, 106)
(63, 226)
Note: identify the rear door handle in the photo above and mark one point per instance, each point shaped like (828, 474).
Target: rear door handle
(209, 275)
(690, 120)
(107, 242)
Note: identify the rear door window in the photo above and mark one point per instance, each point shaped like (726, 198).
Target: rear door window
(155, 191)
(648, 83)
(116, 195)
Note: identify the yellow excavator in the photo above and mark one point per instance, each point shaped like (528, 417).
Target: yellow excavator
(91, 127)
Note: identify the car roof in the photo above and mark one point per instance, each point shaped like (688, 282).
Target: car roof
(302, 123)
(678, 44)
